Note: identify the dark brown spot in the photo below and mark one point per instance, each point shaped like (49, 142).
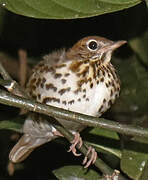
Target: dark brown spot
(98, 73)
(71, 102)
(34, 96)
(102, 79)
(100, 109)
(75, 65)
(91, 85)
(84, 90)
(67, 74)
(50, 99)
(51, 86)
(104, 100)
(111, 92)
(84, 96)
(89, 79)
(33, 87)
(109, 103)
(51, 69)
(63, 81)
(81, 82)
(38, 82)
(64, 102)
(87, 99)
(86, 61)
(79, 99)
(60, 66)
(113, 84)
(97, 81)
(33, 81)
(103, 72)
(109, 75)
(107, 85)
(39, 96)
(62, 91)
(57, 75)
(78, 90)
(117, 95)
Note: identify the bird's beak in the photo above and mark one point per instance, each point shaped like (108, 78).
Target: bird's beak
(112, 46)
(116, 45)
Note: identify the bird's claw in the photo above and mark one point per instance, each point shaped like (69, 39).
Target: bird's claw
(92, 158)
(77, 140)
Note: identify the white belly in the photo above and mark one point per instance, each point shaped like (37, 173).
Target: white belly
(88, 102)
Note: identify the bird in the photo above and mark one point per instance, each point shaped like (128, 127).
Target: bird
(80, 79)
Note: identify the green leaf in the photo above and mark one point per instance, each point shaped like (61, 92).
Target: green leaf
(139, 45)
(104, 141)
(75, 172)
(134, 159)
(13, 124)
(66, 9)
(145, 172)
(133, 99)
(146, 2)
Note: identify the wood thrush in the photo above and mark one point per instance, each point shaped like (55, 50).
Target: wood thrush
(81, 79)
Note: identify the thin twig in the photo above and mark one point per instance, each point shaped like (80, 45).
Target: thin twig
(12, 100)
(13, 87)
(23, 66)
(4, 74)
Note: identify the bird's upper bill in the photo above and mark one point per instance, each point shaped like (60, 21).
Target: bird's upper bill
(112, 46)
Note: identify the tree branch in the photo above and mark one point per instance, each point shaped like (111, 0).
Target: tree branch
(12, 100)
(13, 86)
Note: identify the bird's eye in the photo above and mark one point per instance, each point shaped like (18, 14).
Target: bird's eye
(92, 45)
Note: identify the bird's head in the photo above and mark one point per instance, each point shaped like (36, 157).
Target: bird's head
(93, 48)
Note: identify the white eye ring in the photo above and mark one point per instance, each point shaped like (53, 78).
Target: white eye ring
(92, 45)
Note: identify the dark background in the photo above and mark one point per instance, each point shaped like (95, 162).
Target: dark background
(39, 37)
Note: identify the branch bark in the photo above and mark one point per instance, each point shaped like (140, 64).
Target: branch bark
(12, 100)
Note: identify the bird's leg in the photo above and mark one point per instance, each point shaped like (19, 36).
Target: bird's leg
(77, 140)
(92, 158)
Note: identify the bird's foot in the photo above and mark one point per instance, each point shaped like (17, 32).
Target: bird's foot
(92, 159)
(77, 140)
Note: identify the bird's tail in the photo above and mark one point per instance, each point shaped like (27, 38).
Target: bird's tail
(36, 133)
(25, 146)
